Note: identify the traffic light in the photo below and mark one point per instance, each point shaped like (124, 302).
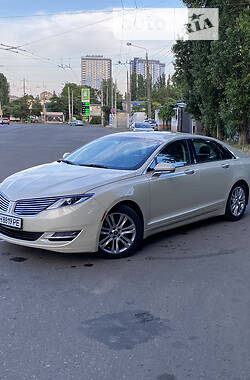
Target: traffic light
(85, 108)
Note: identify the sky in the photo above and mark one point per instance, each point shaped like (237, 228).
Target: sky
(53, 35)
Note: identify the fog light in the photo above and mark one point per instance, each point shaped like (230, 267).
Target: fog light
(64, 236)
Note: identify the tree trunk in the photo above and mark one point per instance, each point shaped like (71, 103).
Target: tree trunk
(220, 132)
(202, 129)
(244, 130)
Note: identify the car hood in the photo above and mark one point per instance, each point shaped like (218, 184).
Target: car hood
(58, 179)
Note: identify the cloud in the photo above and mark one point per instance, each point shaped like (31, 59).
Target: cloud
(51, 40)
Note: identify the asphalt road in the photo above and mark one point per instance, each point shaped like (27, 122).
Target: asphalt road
(177, 310)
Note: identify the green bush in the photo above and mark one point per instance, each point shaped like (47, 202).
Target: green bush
(96, 120)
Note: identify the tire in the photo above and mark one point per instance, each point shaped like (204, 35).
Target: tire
(121, 233)
(237, 202)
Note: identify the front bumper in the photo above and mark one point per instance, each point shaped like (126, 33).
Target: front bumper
(86, 218)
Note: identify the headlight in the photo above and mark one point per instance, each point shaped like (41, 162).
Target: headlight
(70, 201)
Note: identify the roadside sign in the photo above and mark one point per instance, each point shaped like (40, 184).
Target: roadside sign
(85, 108)
(85, 94)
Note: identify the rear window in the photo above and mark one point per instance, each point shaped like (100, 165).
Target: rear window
(142, 125)
(208, 151)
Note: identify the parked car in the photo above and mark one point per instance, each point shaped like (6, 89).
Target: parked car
(4, 120)
(111, 193)
(77, 123)
(152, 123)
(140, 127)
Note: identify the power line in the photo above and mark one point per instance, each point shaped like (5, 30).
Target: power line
(76, 13)
(65, 32)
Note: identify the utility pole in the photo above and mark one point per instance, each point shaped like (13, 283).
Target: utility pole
(102, 118)
(24, 87)
(148, 87)
(148, 78)
(107, 94)
(128, 91)
(72, 104)
(112, 94)
(128, 96)
(69, 104)
(115, 119)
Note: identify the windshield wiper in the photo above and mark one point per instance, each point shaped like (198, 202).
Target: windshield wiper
(94, 166)
(66, 162)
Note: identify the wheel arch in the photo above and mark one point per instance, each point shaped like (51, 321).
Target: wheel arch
(133, 205)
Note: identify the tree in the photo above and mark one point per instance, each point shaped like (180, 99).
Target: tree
(57, 104)
(230, 59)
(161, 92)
(107, 87)
(61, 103)
(20, 108)
(167, 111)
(214, 75)
(4, 90)
(107, 111)
(77, 109)
(36, 107)
(138, 86)
(133, 86)
(141, 87)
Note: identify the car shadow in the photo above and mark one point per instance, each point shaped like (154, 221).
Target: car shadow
(21, 254)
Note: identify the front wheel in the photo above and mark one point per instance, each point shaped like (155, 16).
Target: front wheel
(121, 233)
(237, 202)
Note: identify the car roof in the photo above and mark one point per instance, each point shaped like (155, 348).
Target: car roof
(164, 137)
(161, 136)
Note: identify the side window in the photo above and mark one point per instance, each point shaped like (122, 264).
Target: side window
(226, 155)
(206, 151)
(176, 153)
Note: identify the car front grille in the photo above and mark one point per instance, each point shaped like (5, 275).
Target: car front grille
(18, 234)
(4, 203)
(33, 206)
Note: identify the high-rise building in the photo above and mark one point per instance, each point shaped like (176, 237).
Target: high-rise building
(95, 69)
(156, 68)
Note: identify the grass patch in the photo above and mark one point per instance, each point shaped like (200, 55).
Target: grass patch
(242, 148)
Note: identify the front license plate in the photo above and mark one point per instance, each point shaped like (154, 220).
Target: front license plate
(10, 221)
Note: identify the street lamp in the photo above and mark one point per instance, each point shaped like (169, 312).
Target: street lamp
(148, 78)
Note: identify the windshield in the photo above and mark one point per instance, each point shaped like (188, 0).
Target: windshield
(115, 152)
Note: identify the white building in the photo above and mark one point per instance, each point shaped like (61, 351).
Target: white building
(95, 69)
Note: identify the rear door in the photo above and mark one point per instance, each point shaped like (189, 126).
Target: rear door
(215, 169)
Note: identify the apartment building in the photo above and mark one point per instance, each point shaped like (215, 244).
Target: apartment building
(95, 69)
(156, 68)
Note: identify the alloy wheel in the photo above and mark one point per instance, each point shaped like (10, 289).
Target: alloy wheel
(118, 233)
(238, 201)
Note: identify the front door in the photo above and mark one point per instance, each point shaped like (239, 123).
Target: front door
(173, 196)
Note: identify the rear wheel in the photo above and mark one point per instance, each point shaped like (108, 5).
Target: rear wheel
(121, 233)
(237, 202)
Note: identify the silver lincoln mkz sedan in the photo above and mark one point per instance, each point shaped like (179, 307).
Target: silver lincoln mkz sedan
(113, 192)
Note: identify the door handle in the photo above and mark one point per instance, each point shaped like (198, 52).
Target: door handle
(189, 171)
(225, 166)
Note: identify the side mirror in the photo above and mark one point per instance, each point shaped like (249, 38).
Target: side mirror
(163, 168)
(65, 155)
